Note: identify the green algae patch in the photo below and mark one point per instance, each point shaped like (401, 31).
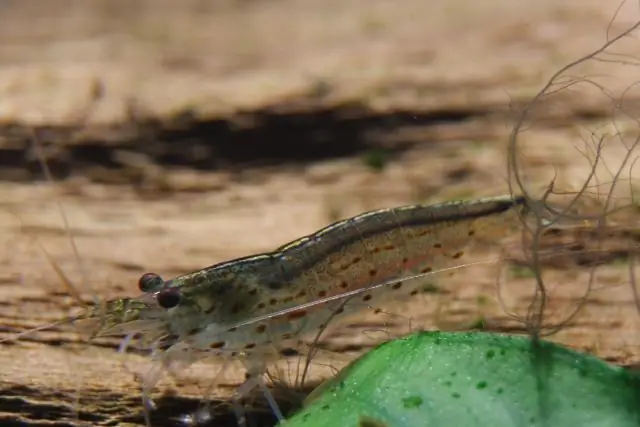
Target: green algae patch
(412, 402)
(443, 379)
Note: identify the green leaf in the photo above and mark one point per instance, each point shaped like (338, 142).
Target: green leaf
(440, 379)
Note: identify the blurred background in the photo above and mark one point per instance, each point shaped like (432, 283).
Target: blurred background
(184, 133)
(122, 87)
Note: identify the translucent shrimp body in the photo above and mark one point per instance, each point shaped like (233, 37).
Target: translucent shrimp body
(252, 308)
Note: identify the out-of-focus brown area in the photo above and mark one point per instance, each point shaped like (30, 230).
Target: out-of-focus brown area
(181, 134)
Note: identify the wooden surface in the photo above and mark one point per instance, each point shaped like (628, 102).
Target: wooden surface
(444, 56)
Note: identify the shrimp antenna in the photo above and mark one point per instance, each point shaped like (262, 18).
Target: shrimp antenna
(37, 147)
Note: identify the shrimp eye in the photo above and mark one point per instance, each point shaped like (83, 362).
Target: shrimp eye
(168, 297)
(149, 281)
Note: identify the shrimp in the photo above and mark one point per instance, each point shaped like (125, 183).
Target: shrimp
(252, 308)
